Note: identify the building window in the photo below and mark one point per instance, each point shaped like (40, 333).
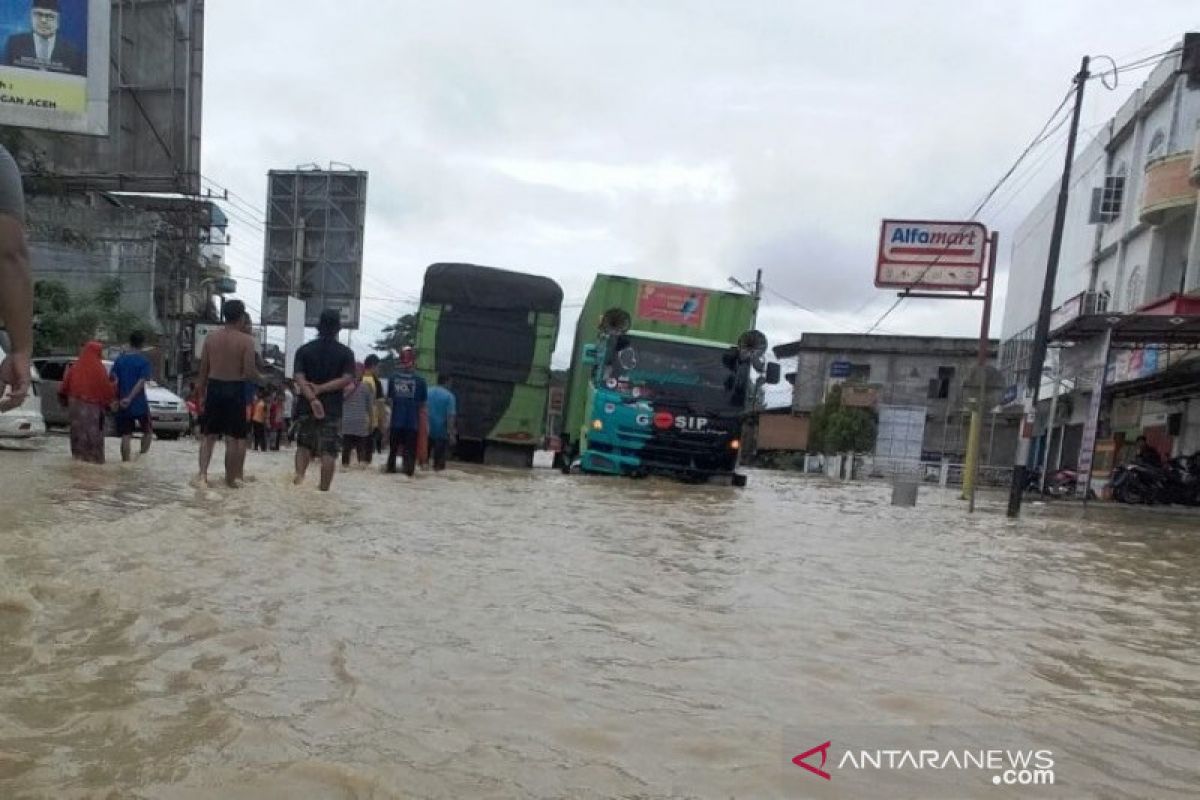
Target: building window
(1133, 293)
(939, 387)
(1107, 200)
(1158, 145)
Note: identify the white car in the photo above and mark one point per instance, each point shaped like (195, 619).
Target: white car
(168, 413)
(23, 428)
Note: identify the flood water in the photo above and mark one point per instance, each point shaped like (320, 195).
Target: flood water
(488, 633)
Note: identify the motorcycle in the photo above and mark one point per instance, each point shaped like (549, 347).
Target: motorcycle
(1062, 484)
(1183, 480)
(1138, 484)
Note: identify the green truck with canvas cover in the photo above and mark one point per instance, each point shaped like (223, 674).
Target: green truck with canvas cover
(491, 332)
(661, 380)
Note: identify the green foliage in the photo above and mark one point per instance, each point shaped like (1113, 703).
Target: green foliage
(402, 333)
(835, 429)
(64, 320)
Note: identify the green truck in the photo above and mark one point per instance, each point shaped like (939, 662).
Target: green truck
(491, 332)
(661, 381)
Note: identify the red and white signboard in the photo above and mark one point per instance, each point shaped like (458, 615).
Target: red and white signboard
(665, 302)
(918, 254)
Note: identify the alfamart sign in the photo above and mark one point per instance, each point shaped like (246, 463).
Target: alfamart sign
(923, 255)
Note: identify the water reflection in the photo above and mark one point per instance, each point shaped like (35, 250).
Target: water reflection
(496, 633)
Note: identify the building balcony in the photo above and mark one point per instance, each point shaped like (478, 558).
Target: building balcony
(1168, 187)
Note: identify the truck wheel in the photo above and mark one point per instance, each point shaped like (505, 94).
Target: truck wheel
(738, 481)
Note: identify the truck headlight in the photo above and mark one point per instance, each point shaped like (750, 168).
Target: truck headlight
(736, 444)
(597, 425)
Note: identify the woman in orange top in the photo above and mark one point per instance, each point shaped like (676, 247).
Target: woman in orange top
(87, 390)
(258, 419)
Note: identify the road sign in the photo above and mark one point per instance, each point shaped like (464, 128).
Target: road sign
(923, 255)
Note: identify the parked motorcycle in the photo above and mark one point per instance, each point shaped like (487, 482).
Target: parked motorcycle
(1138, 484)
(1062, 483)
(1183, 480)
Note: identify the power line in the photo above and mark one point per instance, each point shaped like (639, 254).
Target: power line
(232, 193)
(1046, 131)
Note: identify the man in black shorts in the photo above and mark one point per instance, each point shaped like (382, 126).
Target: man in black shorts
(226, 364)
(324, 367)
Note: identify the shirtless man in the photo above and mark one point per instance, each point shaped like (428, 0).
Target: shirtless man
(226, 364)
(16, 286)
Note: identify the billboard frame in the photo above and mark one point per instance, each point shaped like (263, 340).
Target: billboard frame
(25, 106)
(155, 99)
(313, 243)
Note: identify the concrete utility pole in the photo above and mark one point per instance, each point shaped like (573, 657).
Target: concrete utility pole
(1042, 332)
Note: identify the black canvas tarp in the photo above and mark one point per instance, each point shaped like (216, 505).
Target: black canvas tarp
(479, 287)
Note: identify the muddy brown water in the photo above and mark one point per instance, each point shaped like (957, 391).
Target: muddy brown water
(489, 633)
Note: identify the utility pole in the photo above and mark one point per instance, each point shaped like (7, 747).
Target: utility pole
(970, 477)
(1042, 332)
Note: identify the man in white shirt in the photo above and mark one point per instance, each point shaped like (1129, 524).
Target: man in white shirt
(289, 410)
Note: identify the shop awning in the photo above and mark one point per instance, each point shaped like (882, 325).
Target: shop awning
(1172, 320)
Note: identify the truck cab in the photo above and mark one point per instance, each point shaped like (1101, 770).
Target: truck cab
(662, 404)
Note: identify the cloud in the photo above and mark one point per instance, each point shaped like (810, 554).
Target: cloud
(686, 140)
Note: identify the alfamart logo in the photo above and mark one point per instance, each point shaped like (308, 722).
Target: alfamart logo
(1008, 767)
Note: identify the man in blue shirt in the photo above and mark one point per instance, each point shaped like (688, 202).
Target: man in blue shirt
(443, 408)
(130, 372)
(407, 392)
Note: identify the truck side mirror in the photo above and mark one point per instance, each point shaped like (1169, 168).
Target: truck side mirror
(773, 373)
(589, 354)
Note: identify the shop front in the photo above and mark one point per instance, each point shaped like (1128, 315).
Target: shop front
(1149, 385)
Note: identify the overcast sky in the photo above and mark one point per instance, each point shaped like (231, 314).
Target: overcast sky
(678, 140)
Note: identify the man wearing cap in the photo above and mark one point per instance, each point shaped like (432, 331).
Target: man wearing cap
(43, 48)
(324, 367)
(407, 394)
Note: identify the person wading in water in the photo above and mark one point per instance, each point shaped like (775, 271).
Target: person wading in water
(324, 367)
(226, 366)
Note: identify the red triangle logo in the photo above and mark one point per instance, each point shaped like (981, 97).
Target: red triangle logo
(823, 749)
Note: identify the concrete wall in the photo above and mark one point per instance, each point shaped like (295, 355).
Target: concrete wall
(80, 244)
(1031, 245)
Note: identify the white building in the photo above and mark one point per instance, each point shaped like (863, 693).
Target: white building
(1131, 242)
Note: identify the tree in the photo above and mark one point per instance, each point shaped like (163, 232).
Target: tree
(64, 320)
(834, 428)
(402, 333)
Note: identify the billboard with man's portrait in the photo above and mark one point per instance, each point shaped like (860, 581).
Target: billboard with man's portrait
(54, 65)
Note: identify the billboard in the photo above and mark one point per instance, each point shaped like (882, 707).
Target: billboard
(54, 65)
(314, 243)
(678, 305)
(918, 254)
(148, 67)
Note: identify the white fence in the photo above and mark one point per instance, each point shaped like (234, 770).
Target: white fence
(868, 467)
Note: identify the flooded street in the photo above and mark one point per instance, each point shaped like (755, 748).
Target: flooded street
(487, 633)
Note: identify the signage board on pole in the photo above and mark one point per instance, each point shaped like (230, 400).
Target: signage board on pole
(923, 255)
(294, 335)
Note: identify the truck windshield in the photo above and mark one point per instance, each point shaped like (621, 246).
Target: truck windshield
(704, 377)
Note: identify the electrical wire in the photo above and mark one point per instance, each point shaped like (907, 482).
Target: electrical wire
(1046, 131)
